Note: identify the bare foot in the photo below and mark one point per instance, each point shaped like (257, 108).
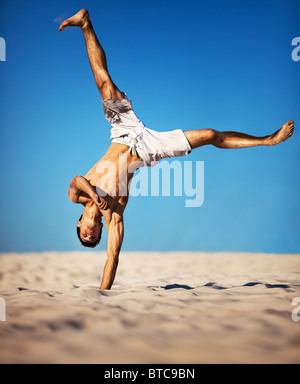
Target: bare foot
(79, 20)
(284, 133)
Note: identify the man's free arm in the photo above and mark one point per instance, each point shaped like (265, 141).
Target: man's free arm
(81, 192)
(114, 244)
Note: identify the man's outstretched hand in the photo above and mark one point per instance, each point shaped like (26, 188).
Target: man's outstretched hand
(100, 202)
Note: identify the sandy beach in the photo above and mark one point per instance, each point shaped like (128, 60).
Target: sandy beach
(165, 308)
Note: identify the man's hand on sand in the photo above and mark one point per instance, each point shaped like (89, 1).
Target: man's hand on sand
(100, 202)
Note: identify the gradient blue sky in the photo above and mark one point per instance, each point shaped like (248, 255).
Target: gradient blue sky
(185, 64)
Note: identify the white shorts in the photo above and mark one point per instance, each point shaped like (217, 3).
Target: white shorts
(149, 145)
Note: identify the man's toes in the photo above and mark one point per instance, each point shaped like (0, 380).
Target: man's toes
(63, 26)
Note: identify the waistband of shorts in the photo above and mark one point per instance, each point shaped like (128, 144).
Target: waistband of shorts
(112, 100)
(134, 148)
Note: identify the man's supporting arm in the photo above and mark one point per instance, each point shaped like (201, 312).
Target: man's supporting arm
(114, 244)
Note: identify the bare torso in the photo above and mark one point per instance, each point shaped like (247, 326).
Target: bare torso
(112, 176)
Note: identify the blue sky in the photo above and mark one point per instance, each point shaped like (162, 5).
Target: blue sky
(186, 65)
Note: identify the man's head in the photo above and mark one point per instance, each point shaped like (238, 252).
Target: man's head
(89, 228)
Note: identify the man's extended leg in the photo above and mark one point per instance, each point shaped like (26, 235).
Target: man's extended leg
(96, 55)
(230, 140)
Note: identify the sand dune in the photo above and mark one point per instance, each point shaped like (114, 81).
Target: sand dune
(164, 308)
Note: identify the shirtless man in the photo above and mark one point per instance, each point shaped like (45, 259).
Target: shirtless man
(133, 146)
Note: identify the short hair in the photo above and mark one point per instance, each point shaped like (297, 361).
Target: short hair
(86, 244)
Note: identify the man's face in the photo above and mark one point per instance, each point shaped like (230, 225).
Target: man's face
(89, 230)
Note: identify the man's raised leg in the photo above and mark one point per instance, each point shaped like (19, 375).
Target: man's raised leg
(96, 54)
(229, 140)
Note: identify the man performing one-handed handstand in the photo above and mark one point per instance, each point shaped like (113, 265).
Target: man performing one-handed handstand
(102, 194)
